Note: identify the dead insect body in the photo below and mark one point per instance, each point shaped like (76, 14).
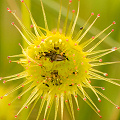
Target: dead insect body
(54, 56)
(57, 57)
(55, 78)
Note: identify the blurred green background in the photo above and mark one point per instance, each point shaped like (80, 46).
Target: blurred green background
(10, 37)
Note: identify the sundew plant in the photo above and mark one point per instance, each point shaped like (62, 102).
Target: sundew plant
(59, 66)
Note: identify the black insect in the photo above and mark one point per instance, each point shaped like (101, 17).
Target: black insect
(43, 75)
(46, 84)
(75, 72)
(81, 28)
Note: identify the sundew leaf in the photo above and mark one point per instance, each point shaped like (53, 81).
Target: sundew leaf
(58, 67)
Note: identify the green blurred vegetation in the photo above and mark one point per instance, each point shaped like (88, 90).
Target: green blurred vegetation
(10, 37)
